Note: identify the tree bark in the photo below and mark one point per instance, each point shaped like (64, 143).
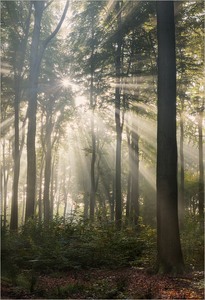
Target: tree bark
(35, 61)
(92, 106)
(19, 61)
(5, 182)
(40, 190)
(52, 189)
(128, 179)
(37, 52)
(170, 258)
(16, 157)
(201, 168)
(181, 206)
(47, 174)
(118, 196)
(135, 177)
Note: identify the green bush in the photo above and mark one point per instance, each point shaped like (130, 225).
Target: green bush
(192, 239)
(61, 246)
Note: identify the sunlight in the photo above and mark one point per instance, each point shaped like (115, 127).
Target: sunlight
(148, 174)
(147, 129)
(81, 100)
(65, 82)
(6, 123)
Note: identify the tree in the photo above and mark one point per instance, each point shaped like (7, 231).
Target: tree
(18, 78)
(168, 240)
(118, 121)
(92, 120)
(201, 165)
(37, 51)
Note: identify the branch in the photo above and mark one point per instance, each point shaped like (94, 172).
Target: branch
(51, 36)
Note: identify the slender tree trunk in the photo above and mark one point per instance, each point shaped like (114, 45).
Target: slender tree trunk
(58, 205)
(19, 57)
(93, 159)
(201, 168)
(181, 186)
(118, 195)
(1, 193)
(65, 208)
(52, 189)
(32, 109)
(40, 210)
(86, 205)
(112, 203)
(92, 106)
(135, 177)
(170, 258)
(128, 206)
(14, 203)
(5, 181)
(65, 196)
(23, 206)
(47, 174)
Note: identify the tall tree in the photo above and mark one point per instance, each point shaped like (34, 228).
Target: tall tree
(35, 61)
(18, 78)
(135, 177)
(181, 206)
(118, 123)
(168, 239)
(37, 51)
(201, 165)
(92, 120)
(48, 148)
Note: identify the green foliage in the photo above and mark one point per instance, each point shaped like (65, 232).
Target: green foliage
(192, 238)
(39, 249)
(72, 245)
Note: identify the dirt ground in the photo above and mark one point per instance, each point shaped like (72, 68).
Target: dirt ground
(125, 283)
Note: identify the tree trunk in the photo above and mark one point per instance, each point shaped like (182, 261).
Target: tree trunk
(23, 206)
(5, 182)
(19, 62)
(52, 190)
(47, 174)
(135, 177)
(128, 179)
(92, 106)
(40, 210)
(35, 61)
(86, 205)
(201, 168)
(16, 156)
(118, 196)
(1, 195)
(37, 52)
(181, 206)
(170, 258)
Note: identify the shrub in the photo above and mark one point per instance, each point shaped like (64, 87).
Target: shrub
(192, 239)
(61, 246)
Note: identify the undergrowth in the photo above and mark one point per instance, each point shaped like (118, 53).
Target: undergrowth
(62, 246)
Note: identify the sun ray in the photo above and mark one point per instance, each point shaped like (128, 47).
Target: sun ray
(6, 123)
(148, 174)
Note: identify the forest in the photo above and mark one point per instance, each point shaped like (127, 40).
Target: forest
(102, 156)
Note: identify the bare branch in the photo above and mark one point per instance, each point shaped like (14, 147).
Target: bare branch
(51, 36)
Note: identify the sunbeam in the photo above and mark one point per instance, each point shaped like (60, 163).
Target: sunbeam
(6, 123)
(148, 174)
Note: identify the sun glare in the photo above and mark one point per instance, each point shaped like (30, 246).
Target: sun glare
(80, 100)
(65, 82)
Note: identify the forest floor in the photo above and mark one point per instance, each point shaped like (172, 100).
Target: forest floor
(124, 283)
